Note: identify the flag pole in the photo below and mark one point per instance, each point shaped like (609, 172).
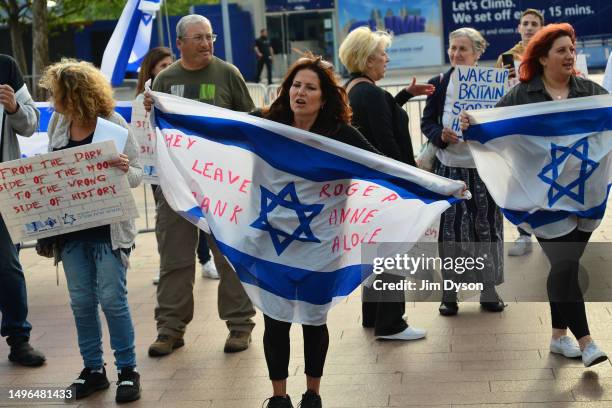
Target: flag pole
(160, 28)
(227, 36)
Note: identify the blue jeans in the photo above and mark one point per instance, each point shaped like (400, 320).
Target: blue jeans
(96, 275)
(13, 297)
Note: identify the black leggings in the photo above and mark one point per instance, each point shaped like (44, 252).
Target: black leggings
(564, 293)
(276, 348)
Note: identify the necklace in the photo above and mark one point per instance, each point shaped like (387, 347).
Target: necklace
(555, 94)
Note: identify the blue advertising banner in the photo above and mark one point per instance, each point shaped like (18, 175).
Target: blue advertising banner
(415, 25)
(295, 5)
(498, 20)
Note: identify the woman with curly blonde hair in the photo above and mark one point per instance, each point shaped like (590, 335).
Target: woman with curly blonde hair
(95, 260)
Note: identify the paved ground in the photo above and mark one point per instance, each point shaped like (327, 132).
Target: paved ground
(473, 360)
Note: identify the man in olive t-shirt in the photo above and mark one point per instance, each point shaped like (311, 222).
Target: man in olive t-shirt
(201, 76)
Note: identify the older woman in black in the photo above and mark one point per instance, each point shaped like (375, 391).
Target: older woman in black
(309, 99)
(472, 228)
(381, 119)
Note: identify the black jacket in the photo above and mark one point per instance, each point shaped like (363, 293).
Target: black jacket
(380, 118)
(534, 91)
(431, 121)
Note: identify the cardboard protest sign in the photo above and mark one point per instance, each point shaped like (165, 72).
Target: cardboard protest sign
(64, 191)
(141, 127)
(476, 87)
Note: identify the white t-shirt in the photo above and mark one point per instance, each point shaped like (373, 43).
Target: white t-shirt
(458, 154)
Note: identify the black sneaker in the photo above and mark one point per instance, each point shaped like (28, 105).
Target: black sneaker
(279, 402)
(128, 386)
(23, 354)
(88, 383)
(310, 400)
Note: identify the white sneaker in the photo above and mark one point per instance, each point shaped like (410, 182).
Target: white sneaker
(566, 346)
(156, 279)
(409, 333)
(209, 270)
(522, 246)
(592, 355)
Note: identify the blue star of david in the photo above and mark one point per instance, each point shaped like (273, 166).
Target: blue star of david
(68, 219)
(305, 214)
(550, 172)
(146, 18)
(50, 222)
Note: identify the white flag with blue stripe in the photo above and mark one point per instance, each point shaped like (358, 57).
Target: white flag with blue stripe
(130, 40)
(289, 209)
(547, 165)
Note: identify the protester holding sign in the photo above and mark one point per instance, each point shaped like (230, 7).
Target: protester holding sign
(547, 73)
(95, 259)
(308, 87)
(383, 122)
(18, 114)
(530, 23)
(476, 223)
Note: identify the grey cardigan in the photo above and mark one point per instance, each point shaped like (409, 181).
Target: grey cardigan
(123, 233)
(23, 122)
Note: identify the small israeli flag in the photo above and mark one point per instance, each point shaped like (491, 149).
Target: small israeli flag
(547, 165)
(130, 40)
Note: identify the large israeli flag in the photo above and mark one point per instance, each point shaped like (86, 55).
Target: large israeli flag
(547, 165)
(289, 209)
(130, 40)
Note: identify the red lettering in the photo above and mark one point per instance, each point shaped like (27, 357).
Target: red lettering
(244, 185)
(190, 142)
(206, 166)
(390, 197)
(11, 185)
(177, 141)
(335, 244)
(54, 188)
(218, 210)
(55, 201)
(352, 188)
(376, 231)
(205, 204)
(234, 217)
(218, 174)
(194, 167)
(21, 208)
(232, 180)
(338, 189)
(70, 172)
(356, 215)
(370, 214)
(344, 213)
(333, 217)
(88, 155)
(368, 189)
(324, 191)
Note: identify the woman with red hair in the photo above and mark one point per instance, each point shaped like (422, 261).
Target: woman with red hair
(547, 73)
